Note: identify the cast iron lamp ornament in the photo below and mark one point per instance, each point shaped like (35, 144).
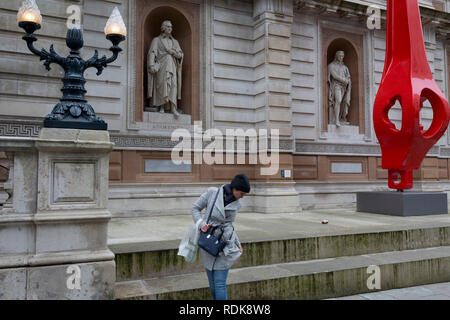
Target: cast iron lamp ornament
(72, 111)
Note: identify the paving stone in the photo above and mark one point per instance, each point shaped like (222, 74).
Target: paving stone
(437, 297)
(413, 291)
(355, 297)
(377, 296)
(435, 291)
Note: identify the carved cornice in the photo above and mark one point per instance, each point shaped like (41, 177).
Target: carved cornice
(19, 129)
(336, 149)
(142, 142)
(338, 8)
(357, 11)
(311, 148)
(137, 142)
(165, 143)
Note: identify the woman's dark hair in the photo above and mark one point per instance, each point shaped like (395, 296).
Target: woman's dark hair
(240, 182)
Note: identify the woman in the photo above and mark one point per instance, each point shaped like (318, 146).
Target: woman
(223, 214)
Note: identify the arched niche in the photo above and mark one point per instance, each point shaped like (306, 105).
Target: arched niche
(184, 17)
(353, 60)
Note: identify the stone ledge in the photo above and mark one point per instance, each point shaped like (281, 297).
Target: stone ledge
(54, 258)
(8, 143)
(46, 217)
(122, 246)
(268, 239)
(281, 281)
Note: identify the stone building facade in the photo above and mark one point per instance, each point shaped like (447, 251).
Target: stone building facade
(250, 64)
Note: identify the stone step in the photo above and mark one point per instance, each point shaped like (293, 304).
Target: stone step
(157, 259)
(311, 279)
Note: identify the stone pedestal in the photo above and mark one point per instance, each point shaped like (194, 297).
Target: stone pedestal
(156, 121)
(53, 243)
(275, 197)
(402, 203)
(347, 133)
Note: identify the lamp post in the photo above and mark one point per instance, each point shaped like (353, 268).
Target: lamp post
(72, 111)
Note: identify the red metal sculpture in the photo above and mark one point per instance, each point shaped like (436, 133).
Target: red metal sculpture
(407, 78)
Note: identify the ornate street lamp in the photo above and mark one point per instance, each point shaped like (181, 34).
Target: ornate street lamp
(72, 111)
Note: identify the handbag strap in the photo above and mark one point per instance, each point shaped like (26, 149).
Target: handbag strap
(212, 207)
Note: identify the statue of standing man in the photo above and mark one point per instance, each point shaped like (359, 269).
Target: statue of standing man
(164, 62)
(339, 90)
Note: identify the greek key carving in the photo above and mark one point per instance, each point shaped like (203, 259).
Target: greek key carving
(19, 130)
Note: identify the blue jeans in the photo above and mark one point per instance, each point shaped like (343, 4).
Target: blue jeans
(218, 283)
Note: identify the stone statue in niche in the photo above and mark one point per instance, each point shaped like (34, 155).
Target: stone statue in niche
(164, 62)
(339, 91)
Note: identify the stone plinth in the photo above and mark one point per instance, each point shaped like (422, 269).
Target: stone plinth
(276, 198)
(53, 243)
(347, 133)
(402, 203)
(165, 121)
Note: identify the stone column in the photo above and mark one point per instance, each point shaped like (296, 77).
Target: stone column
(272, 34)
(53, 243)
(429, 38)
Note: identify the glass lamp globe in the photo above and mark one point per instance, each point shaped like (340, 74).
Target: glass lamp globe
(29, 12)
(115, 24)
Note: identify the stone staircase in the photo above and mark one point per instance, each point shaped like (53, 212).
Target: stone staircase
(303, 267)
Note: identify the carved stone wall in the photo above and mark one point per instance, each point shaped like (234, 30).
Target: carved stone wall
(248, 63)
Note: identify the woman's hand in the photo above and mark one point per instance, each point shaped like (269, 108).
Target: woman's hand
(205, 227)
(241, 249)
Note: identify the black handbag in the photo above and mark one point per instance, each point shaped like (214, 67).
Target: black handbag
(208, 241)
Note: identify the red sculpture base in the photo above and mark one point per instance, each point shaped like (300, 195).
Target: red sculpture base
(400, 179)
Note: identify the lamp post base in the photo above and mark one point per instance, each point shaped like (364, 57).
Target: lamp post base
(66, 124)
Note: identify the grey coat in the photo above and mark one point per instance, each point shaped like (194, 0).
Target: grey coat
(220, 216)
